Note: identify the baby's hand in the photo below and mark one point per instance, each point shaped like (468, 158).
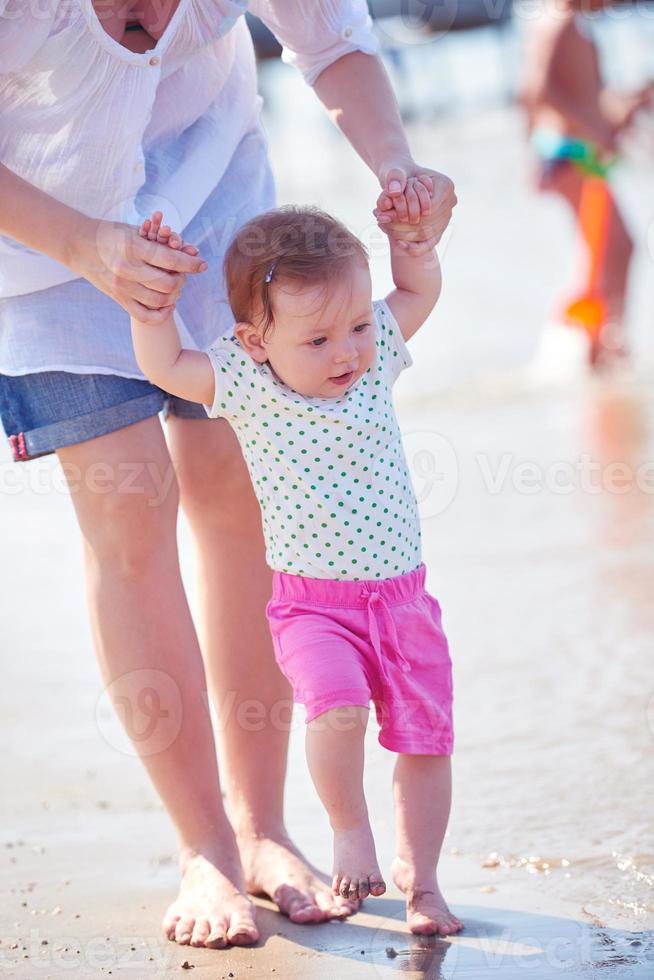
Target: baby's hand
(154, 231)
(410, 206)
(413, 205)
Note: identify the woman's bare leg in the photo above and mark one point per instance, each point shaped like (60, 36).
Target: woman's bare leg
(125, 495)
(252, 698)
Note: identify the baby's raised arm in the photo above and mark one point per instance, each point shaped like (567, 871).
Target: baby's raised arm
(417, 278)
(159, 353)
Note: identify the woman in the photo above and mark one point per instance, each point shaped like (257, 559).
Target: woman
(105, 114)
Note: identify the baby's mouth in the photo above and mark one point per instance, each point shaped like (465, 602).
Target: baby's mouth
(342, 379)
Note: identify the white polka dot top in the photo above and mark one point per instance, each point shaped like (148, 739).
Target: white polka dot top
(329, 473)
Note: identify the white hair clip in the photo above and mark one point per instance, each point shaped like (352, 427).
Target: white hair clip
(269, 274)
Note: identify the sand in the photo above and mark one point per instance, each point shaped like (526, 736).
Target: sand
(97, 925)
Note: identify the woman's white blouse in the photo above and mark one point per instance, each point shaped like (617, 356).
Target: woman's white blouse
(114, 134)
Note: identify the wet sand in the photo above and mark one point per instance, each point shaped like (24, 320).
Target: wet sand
(101, 923)
(543, 563)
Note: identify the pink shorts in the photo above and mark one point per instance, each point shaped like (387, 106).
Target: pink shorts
(345, 643)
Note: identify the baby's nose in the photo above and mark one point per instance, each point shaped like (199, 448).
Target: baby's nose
(347, 352)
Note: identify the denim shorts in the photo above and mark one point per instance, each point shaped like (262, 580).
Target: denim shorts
(47, 410)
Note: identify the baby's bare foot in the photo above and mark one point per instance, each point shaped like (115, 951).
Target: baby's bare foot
(276, 868)
(211, 908)
(356, 872)
(427, 913)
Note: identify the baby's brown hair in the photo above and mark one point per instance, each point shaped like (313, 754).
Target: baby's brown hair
(298, 244)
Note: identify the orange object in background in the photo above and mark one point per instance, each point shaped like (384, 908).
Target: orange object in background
(590, 310)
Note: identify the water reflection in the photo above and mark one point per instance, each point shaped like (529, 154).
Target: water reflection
(423, 958)
(497, 942)
(615, 431)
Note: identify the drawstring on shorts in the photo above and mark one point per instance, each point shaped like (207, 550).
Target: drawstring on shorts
(389, 647)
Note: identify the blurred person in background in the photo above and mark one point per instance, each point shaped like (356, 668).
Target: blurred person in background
(575, 126)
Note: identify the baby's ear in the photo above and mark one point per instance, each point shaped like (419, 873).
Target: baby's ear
(250, 339)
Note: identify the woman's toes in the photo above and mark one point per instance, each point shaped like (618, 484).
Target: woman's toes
(346, 907)
(307, 913)
(299, 907)
(242, 929)
(335, 907)
(327, 904)
(169, 925)
(343, 907)
(184, 931)
(243, 937)
(217, 938)
(200, 932)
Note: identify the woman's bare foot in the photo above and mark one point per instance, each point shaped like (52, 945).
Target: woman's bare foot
(275, 868)
(212, 908)
(356, 872)
(427, 913)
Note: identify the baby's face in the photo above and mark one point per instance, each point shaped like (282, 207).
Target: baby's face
(320, 346)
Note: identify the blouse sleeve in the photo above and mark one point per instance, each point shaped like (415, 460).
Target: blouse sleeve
(24, 27)
(392, 350)
(315, 34)
(235, 375)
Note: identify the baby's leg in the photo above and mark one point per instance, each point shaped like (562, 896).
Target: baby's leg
(334, 744)
(422, 787)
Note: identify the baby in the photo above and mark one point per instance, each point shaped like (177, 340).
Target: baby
(306, 380)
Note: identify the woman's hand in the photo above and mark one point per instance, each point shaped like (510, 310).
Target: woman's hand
(144, 277)
(410, 215)
(416, 200)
